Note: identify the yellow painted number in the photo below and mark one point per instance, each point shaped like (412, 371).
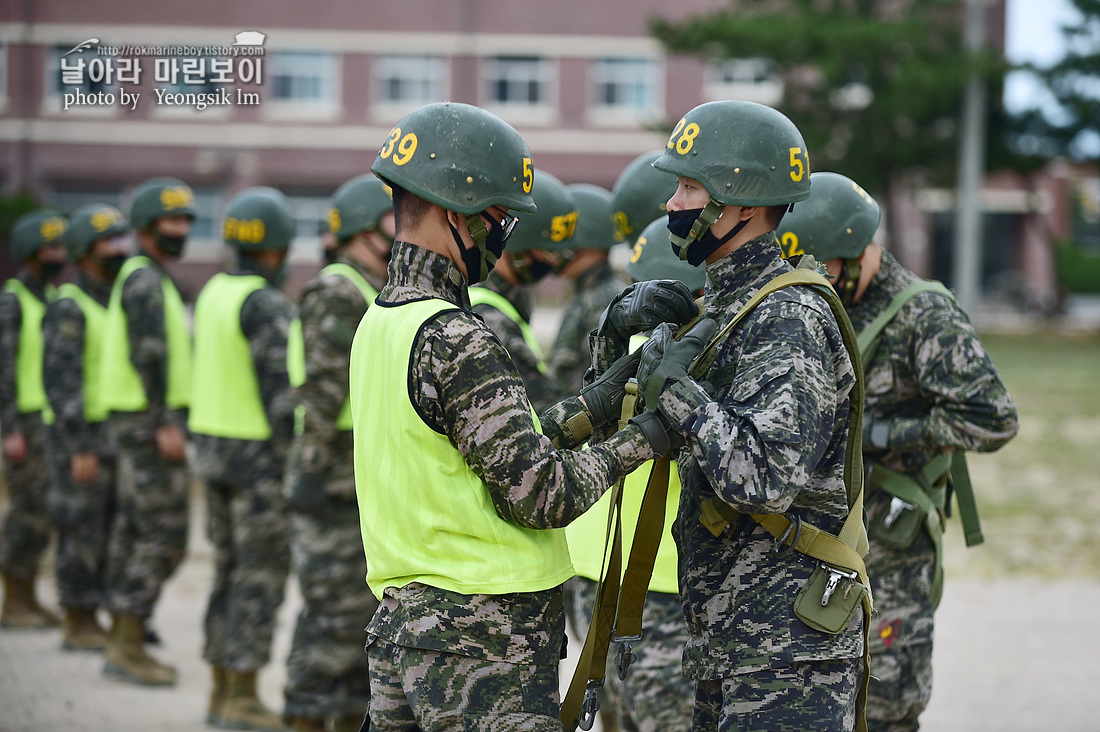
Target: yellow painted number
(333, 220)
(248, 231)
(686, 140)
(623, 229)
(636, 252)
(862, 193)
(789, 244)
(406, 148)
(675, 131)
(528, 175)
(798, 167)
(387, 149)
(562, 227)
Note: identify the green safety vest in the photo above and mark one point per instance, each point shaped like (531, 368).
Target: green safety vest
(296, 348)
(30, 393)
(95, 317)
(228, 402)
(485, 296)
(425, 515)
(119, 380)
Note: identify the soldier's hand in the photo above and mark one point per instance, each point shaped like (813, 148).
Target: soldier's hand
(85, 467)
(171, 443)
(15, 448)
(604, 396)
(665, 360)
(644, 305)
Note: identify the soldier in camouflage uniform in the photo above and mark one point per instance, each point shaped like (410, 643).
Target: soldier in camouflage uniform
(36, 243)
(327, 674)
(764, 431)
(471, 622)
(145, 385)
(931, 389)
(82, 459)
(504, 300)
(242, 421)
(595, 284)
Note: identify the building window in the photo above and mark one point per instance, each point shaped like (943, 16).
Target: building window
(305, 78)
(412, 80)
(749, 79)
(519, 80)
(625, 83)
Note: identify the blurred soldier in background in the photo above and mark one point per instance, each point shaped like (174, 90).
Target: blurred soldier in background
(327, 675)
(242, 421)
(655, 696)
(37, 245)
(639, 196)
(470, 627)
(595, 283)
(932, 393)
(504, 300)
(145, 384)
(82, 459)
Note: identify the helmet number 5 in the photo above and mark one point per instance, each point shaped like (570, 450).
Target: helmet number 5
(798, 168)
(528, 175)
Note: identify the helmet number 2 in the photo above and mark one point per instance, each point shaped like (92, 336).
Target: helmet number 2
(789, 242)
(687, 137)
(406, 148)
(798, 167)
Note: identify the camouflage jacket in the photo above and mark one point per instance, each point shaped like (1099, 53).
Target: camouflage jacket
(771, 439)
(541, 389)
(330, 309)
(265, 322)
(11, 320)
(63, 370)
(593, 291)
(466, 386)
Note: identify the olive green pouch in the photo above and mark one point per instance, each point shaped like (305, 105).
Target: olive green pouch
(838, 611)
(901, 532)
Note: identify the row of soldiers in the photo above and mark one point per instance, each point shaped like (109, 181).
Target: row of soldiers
(270, 426)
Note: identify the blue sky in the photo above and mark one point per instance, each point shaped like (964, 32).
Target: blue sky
(1033, 33)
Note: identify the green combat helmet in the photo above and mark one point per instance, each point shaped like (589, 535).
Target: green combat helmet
(639, 196)
(464, 159)
(91, 223)
(34, 230)
(653, 259)
(837, 221)
(594, 228)
(159, 197)
(553, 226)
(358, 205)
(742, 153)
(258, 219)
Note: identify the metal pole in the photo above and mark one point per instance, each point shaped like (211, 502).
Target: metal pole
(968, 233)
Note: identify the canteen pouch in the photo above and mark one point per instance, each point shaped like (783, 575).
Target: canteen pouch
(901, 532)
(838, 611)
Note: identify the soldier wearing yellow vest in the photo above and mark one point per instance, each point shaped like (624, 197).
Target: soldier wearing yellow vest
(145, 387)
(37, 245)
(932, 393)
(242, 418)
(327, 669)
(82, 458)
(504, 300)
(461, 498)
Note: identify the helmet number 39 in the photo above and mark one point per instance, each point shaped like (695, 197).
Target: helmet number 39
(405, 147)
(687, 135)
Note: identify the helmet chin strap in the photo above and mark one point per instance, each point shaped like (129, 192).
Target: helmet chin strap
(711, 213)
(850, 272)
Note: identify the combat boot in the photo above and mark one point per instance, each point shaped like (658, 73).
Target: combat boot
(308, 724)
(217, 696)
(243, 709)
(82, 631)
(126, 658)
(21, 608)
(348, 723)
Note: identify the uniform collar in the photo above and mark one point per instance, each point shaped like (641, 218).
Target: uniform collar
(418, 272)
(375, 281)
(733, 279)
(97, 288)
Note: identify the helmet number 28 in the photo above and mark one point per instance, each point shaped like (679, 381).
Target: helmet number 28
(687, 135)
(406, 148)
(798, 167)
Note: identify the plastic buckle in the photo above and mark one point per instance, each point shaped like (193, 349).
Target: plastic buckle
(626, 656)
(590, 706)
(795, 525)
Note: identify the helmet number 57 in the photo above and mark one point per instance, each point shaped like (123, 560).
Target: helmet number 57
(798, 167)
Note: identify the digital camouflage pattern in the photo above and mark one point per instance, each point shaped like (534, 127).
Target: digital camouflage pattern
(466, 387)
(570, 358)
(149, 532)
(81, 513)
(25, 531)
(246, 516)
(541, 389)
(656, 696)
(770, 440)
(933, 379)
(327, 668)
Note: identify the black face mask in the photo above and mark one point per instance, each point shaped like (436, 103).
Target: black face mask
(479, 264)
(680, 223)
(533, 270)
(170, 245)
(112, 264)
(51, 270)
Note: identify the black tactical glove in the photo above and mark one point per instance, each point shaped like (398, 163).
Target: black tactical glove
(307, 495)
(656, 430)
(604, 396)
(643, 305)
(665, 360)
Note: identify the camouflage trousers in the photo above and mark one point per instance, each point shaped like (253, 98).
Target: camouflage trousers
(25, 530)
(248, 527)
(817, 695)
(901, 635)
(414, 690)
(327, 670)
(148, 535)
(82, 515)
(656, 696)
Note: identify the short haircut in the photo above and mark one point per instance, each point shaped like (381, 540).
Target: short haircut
(408, 209)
